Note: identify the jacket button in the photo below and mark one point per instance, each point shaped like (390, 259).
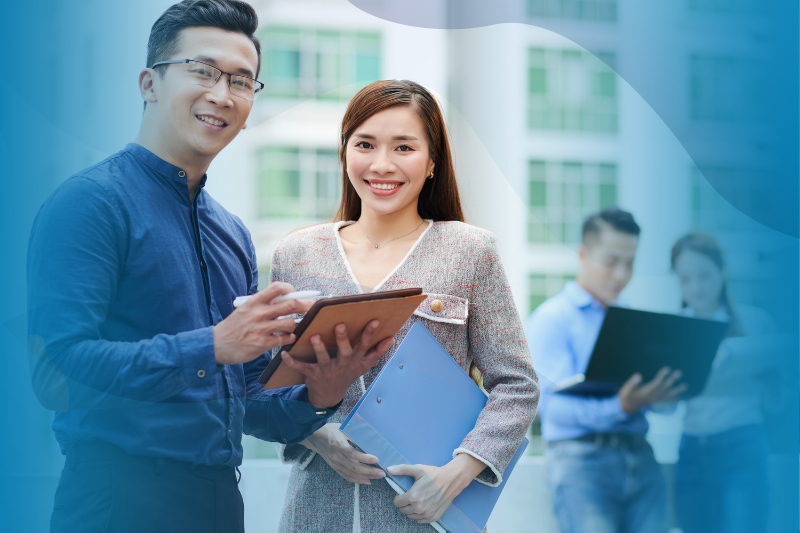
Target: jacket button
(201, 373)
(181, 174)
(436, 306)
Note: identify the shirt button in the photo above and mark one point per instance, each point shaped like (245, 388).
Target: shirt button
(181, 173)
(202, 264)
(436, 306)
(201, 373)
(229, 432)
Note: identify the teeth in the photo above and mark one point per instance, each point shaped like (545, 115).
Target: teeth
(384, 186)
(211, 121)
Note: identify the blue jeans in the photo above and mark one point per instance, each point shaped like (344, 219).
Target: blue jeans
(607, 487)
(721, 483)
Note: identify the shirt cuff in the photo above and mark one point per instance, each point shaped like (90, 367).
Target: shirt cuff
(305, 412)
(196, 351)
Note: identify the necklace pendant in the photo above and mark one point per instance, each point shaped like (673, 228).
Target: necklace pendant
(376, 246)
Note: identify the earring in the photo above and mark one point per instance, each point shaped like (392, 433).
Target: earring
(431, 176)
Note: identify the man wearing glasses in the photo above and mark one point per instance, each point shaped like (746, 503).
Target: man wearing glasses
(132, 272)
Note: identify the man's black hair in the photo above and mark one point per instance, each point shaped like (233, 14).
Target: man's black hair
(618, 219)
(229, 15)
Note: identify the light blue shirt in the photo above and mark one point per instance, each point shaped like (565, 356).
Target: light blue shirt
(561, 334)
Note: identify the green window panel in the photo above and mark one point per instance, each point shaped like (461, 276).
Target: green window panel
(571, 90)
(298, 183)
(325, 64)
(561, 194)
(544, 286)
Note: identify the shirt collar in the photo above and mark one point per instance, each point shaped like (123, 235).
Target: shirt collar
(581, 298)
(167, 170)
(720, 315)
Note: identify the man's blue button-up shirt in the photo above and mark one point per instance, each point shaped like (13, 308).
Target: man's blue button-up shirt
(561, 334)
(126, 277)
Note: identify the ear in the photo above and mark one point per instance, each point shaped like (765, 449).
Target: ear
(147, 85)
(582, 252)
(430, 168)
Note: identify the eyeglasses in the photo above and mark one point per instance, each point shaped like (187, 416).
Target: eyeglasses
(208, 75)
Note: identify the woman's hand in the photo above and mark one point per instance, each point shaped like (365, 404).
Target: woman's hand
(435, 488)
(332, 445)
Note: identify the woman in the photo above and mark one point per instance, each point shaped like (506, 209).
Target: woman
(721, 475)
(400, 225)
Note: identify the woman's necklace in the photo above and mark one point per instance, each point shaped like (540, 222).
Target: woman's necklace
(390, 240)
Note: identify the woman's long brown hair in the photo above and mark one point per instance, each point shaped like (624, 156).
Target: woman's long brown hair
(439, 199)
(706, 245)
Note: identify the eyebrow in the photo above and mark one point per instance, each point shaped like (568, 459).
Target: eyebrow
(212, 61)
(395, 138)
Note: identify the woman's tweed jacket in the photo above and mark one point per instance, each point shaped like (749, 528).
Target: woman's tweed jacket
(459, 265)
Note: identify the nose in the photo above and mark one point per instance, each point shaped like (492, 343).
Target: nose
(220, 93)
(382, 164)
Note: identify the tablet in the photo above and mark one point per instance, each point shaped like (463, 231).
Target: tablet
(391, 308)
(633, 341)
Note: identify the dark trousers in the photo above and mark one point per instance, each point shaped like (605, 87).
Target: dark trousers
(104, 489)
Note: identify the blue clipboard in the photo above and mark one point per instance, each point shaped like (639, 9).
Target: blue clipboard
(417, 411)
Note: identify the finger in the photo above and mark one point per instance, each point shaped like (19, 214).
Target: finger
(273, 290)
(630, 384)
(307, 369)
(289, 307)
(342, 341)
(273, 341)
(653, 385)
(374, 356)
(672, 379)
(323, 358)
(366, 338)
(674, 393)
(367, 472)
(407, 470)
(271, 327)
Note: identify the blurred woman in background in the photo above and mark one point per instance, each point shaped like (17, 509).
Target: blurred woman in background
(721, 481)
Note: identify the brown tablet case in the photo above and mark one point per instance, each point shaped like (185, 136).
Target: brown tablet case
(391, 308)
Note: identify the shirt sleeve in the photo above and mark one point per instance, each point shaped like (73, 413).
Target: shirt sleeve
(497, 345)
(278, 415)
(75, 255)
(548, 334)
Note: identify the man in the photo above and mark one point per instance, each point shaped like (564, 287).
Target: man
(133, 269)
(602, 473)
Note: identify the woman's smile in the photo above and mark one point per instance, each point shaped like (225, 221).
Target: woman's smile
(383, 187)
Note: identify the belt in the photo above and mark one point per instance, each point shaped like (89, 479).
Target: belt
(84, 451)
(614, 440)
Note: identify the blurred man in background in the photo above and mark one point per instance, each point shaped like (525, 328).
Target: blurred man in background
(602, 472)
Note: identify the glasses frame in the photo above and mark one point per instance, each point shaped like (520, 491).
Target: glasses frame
(259, 85)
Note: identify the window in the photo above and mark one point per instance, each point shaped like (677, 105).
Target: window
(571, 90)
(301, 63)
(589, 10)
(544, 286)
(298, 183)
(562, 194)
(712, 212)
(726, 88)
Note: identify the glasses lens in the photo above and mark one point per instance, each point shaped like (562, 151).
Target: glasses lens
(201, 73)
(243, 87)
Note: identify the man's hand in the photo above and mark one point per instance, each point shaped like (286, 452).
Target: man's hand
(633, 396)
(254, 328)
(332, 445)
(328, 379)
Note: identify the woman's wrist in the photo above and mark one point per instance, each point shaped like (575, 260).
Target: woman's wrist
(459, 473)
